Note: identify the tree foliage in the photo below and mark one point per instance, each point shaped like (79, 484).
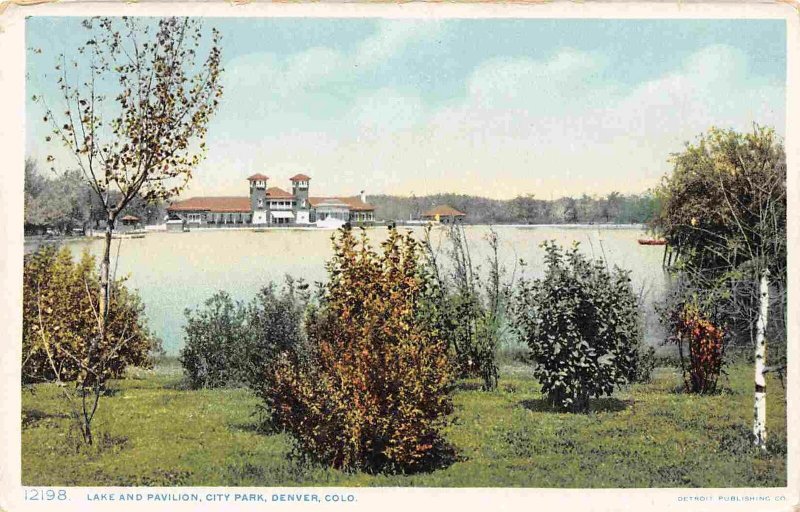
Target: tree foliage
(724, 212)
(137, 105)
(583, 326)
(60, 318)
(724, 204)
(60, 202)
(374, 390)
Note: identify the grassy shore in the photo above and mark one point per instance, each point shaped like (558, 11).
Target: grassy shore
(153, 431)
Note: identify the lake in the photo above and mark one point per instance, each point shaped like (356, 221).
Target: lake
(175, 271)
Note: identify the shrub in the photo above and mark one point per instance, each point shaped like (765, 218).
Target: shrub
(705, 344)
(276, 320)
(374, 390)
(59, 320)
(229, 342)
(216, 343)
(470, 308)
(700, 322)
(645, 364)
(582, 324)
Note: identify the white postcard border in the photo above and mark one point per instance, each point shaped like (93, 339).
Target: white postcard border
(12, 140)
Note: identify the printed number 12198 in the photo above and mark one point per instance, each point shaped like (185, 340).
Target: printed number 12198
(45, 495)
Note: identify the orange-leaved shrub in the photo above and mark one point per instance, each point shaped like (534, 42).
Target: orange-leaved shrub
(59, 321)
(705, 343)
(373, 389)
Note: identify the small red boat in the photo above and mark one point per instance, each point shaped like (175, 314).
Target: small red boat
(652, 241)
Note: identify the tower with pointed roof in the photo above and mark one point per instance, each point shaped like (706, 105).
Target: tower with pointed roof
(300, 184)
(258, 198)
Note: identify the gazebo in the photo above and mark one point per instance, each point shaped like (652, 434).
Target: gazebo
(444, 213)
(130, 221)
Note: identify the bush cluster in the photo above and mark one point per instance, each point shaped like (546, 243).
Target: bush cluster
(59, 321)
(582, 324)
(361, 376)
(228, 343)
(374, 390)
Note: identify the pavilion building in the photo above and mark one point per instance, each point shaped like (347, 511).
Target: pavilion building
(271, 206)
(444, 214)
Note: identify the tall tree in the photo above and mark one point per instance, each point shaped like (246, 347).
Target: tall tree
(587, 208)
(137, 101)
(612, 206)
(570, 210)
(35, 182)
(724, 210)
(525, 208)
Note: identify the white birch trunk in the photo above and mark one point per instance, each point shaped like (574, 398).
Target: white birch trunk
(760, 403)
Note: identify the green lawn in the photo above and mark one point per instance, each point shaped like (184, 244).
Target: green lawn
(154, 432)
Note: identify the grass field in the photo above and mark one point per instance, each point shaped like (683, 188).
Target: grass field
(152, 431)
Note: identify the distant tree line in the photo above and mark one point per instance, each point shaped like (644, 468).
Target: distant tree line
(614, 208)
(65, 203)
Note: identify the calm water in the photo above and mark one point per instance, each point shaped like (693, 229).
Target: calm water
(175, 271)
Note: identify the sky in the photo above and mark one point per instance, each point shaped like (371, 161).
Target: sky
(489, 107)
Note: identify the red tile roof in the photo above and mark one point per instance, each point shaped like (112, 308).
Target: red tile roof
(242, 204)
(299, 177)
(131, 218)
(257, 176)
(443, 211)
(212, 204)
(354, 203)
(278, 193)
